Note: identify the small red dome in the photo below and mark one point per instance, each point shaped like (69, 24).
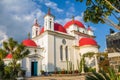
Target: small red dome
(9, 56)
(78, 23)
(57, 27)
(29, 43)
(87, 41)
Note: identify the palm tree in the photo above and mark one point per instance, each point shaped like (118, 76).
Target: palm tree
(17, 50)
(1, 69)
(2, 54)
(111, 75)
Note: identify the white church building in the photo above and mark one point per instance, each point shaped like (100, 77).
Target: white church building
(53, 44)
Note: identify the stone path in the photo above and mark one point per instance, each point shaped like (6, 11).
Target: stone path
(57, 78)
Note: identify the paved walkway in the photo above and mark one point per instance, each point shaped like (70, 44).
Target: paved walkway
(78, 77)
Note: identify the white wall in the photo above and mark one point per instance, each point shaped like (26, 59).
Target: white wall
(42, 42)
(63, 64)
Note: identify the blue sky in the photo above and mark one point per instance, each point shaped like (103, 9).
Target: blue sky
(17, 17)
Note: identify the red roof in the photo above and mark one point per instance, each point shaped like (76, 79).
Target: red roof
(78, 23)
(9, 56)
(87, 41)
(42, 30)
(57, 27)
(29, 43)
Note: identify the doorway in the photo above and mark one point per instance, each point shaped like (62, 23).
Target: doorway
(34, 68)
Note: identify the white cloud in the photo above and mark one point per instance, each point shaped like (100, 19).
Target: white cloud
(3, 36)
(53, 6)
(17, 16)
(63, 21)
(71, 10)
(79, 18)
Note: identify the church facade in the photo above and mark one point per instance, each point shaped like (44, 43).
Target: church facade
(53, 45)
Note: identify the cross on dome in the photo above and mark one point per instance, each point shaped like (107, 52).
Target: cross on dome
(49, 13)
(29, 35)
(36, 23)
(89, 28)
(73, 18)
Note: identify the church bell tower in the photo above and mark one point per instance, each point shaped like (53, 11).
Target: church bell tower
(35, 29)
(49, 21)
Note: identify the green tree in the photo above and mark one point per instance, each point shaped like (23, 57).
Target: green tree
(1, 69)
(97, 11)
(18, 52)
(3, 53)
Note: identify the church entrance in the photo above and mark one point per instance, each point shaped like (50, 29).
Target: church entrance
(34, 68)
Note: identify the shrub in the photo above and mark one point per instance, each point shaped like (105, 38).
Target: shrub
(1, 69)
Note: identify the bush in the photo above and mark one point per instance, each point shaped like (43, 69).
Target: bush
(1, 69)
(11, 72)
(8, 73)
(119, 69)
(42, 72)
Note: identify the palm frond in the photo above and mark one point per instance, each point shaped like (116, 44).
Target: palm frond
(90, 77)
(105, 75)
(98, 75)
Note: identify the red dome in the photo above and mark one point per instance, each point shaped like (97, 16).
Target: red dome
(9, 56)
(29, 43)
(87, 41)
(78, 23)
(57, 27)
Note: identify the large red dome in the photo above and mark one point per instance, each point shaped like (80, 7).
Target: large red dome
(78, 23)
(57, 27)
(87, 41)
(29, 43)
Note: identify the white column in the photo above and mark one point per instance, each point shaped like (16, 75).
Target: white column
(96, 63)
(39, 67)
(82, 65)
(28, 67)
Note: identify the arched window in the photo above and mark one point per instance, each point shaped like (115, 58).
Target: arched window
(77, 29)
(36, 32)
(66, 53)
(50, 24)
(61, 53)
